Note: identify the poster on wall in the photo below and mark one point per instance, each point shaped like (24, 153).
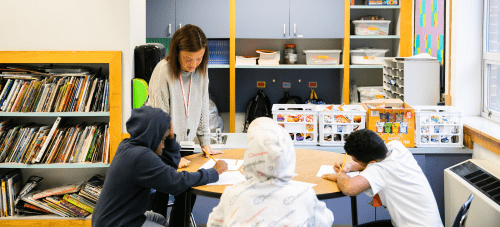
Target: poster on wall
(430, 31)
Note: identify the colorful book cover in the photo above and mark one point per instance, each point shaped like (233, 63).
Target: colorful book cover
(78, 203)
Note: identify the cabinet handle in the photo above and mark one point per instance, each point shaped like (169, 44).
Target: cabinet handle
(284, 33)
(180, 26)
(169, 29)
(295, 29)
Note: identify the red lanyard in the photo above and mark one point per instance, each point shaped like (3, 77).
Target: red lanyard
(186, 105)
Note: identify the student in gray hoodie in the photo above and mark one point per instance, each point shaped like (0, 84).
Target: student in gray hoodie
(140, 164)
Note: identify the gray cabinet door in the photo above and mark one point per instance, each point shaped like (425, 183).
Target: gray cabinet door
(263, 19)
(317, 19)
(160, 14)
(212, 16)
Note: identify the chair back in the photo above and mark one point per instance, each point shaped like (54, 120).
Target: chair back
(462, 213)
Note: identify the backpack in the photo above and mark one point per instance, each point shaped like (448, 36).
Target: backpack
(260, 106)
(214, 118)
(287, 99)
(313, 99)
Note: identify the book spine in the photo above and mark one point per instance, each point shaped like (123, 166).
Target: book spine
(27, 205)
(78, 203)
(46, 143)
(77, 210)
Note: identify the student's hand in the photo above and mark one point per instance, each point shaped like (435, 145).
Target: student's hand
(208, 149)
(220, 166)
(332, 177)
(171, 135)
(338, 167)
(183, 163)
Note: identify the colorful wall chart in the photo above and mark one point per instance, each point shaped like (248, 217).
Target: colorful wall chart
(429, 28)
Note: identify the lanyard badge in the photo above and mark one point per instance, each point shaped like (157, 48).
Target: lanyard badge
(186, 104)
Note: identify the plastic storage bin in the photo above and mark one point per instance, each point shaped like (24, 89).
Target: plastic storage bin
(300, 120)
(335, 125)
(368, 56)
(371, 27)
(438, 126)
(322, 57)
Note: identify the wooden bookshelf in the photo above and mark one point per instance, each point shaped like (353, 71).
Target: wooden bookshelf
(113, 59)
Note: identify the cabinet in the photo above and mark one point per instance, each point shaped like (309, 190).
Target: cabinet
(60, 174)
(164, 17)
(283, 19)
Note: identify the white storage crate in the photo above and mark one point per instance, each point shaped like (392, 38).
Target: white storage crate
(438, 126)
(371, 27)
(368, 56)
(335, 126)
(322, 57)
(300, 120)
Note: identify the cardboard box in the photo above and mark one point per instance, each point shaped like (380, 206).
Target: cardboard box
(395, 111)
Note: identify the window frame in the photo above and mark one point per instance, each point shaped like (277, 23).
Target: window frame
(488, 58)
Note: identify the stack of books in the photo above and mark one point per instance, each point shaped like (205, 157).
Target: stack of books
(11, 182)
(71, 200)
(269, 57)
(32, 143)
(246, 60)
(76, 92)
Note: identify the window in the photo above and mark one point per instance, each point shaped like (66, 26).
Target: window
(491, 60)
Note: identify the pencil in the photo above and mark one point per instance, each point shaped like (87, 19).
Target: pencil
(210, 156)
(236, 162)
(343, 163)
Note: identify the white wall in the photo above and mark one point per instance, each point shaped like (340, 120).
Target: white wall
(117, 25)
(466, 54)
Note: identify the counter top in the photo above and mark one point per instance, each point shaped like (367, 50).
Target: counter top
(239, 140)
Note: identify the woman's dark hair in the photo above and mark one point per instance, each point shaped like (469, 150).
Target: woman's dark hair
(189, 38)
(365, 146)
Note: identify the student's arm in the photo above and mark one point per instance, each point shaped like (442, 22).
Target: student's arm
(151, 172)
(348, 167)
(171, 153)
(351, 186)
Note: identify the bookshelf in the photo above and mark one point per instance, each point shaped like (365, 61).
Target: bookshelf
(64, 173)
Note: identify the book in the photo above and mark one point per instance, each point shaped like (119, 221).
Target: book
(77, 202)
(5, 91)
(31, 183)
(41, 204)
(79, 211)
(91, 96)
(97, 98)
(54, 204)
(4, 199)
(54, 146)
(13, 93)
(17, 95)
(83, 100)
(43, 97)
(46, 143)
(61, 190)
(14, 181)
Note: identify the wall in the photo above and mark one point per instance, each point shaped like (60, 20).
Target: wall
(466, 54)
(90, 25)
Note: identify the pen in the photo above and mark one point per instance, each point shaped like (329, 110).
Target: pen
(210, 156)
(343, 163)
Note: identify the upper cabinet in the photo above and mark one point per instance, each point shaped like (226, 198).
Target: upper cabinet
(283, 19)
(164, 17)
(317, 19)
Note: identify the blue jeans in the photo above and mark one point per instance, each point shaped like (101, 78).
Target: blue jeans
(154, 220)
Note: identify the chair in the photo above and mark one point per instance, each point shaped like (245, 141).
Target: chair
(170, 204)
(462, 213)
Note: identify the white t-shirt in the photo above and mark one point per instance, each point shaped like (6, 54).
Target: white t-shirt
(403, 188)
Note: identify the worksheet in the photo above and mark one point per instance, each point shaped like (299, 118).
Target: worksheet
(231, 164)
(229, 177)
(326, 169)
(302, 183)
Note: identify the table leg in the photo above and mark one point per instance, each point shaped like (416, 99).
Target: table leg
(187, 208)
(354, 210)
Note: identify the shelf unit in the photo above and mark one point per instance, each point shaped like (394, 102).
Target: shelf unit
(63, 173)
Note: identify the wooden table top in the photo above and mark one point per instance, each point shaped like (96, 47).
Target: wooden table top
(307, 166)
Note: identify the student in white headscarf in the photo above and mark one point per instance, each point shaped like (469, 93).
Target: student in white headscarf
(267, 197)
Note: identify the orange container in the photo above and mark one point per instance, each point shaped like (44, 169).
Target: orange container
(380, 120)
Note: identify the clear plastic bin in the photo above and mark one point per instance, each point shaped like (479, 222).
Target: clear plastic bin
(438, 126)
(368, 56)
(335, 126)
(299, 120)
(371, 27)
(322, 57)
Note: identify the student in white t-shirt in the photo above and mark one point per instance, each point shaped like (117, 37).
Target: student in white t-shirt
(391, 172)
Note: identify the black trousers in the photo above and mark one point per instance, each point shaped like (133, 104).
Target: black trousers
(382, 223)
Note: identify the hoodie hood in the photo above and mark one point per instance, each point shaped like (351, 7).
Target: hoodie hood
(147, 126)
(270, 153)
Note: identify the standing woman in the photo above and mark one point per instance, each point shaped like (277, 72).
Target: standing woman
(179, 86)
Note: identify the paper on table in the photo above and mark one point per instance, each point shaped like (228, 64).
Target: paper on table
(229, 177)
(303, 183)
(326, 169)
(231, 164)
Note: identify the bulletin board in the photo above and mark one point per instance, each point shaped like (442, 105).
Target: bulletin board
(430, 31)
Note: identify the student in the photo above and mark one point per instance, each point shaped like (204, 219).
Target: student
(392, 173)
(267, 197)
(138, 166)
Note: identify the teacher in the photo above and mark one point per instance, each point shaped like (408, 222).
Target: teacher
(179, 86)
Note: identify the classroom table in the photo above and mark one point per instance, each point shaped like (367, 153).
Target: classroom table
(308, 163)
